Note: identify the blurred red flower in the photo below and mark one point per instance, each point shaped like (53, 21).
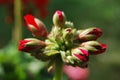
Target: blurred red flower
(41, 6)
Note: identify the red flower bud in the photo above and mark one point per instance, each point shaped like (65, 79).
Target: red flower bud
(36, 26)
(59, 19)
(89, 34)
(101, 49)
(97, 32)
(94, 47)
(31, 45)
(80, 54)
(42, 7)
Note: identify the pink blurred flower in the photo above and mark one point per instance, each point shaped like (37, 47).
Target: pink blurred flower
(76, 73)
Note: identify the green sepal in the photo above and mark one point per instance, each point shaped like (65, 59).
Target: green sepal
(50, 53)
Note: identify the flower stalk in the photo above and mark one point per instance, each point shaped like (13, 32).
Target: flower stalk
(58, 69)
(17, 31)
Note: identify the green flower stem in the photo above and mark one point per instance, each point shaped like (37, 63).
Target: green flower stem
(58, 69)
(17, 31)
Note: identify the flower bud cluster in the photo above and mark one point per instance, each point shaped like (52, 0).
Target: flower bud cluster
(72, 45)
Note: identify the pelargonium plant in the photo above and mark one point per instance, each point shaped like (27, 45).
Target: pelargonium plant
(63, 45)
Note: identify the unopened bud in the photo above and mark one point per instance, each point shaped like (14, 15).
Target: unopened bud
(69, 24)
(81, 54)
(94, 47)
(59, 19)
(67, 34)
(36, 26)
(31, 45)
(89, 34)
(54, 32)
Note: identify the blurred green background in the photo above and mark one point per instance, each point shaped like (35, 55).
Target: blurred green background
(104, 14)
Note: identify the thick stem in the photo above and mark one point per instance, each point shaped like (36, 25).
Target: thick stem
(58, 69)
(17, 31)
